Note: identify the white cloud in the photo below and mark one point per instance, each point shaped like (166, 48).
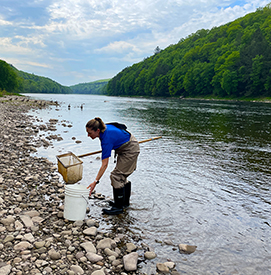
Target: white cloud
(7, 45)
(4, 22)
(118, 47)
(38, 64)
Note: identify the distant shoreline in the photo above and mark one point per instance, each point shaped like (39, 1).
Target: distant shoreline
(255, 100)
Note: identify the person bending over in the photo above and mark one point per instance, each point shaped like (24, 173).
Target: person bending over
(126, 147)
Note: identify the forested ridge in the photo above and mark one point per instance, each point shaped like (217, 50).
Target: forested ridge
(31, 83)
(233, 61)
(95, 87)
(15, 81)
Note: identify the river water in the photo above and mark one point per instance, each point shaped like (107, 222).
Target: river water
(206, 182)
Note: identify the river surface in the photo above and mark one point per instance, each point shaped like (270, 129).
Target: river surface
(206, 182)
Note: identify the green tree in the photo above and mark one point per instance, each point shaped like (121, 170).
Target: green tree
(229, 82)
(9, 80)
(256, 78)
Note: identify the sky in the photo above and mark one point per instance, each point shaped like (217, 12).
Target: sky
(78, 41)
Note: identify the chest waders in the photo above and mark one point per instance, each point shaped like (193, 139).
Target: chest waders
(127, 155)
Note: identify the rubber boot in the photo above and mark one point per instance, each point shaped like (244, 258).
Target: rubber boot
(119, 197)
(127, 190)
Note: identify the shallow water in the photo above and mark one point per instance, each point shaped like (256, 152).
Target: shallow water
(205, 183)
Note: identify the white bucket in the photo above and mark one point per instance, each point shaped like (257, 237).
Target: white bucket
(76, 201)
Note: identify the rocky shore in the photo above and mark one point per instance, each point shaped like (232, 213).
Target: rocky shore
(34, 236)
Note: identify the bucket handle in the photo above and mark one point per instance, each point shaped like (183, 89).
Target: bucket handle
(85, 200)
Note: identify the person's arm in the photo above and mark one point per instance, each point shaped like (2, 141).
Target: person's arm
(99, 175)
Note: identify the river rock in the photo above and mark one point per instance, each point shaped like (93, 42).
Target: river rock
(170, 265)
(98, 272)
(29, 237)
(162, 267)
(7, 221)
(185, 248)
(92, 231)
(91, 222)
(130, 247)
(130, 261)
(54, 255)
(18, 225)
(77, 223)
(105, 243)
(5, 270)
(41, 263)
(26, 220)
(150, 255)
(93, 257)
(22, 246)
(109, 252)
(9, 238)
(77, 269)
(39, 244)
(89, 247)
(32, 213)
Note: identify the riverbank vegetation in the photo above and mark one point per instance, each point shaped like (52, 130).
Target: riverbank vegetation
(230, 61)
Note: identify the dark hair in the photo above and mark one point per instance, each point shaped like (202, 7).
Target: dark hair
(95, 124)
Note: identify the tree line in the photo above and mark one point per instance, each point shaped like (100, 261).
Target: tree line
(95, 87)
(233, 60)
(15, 81)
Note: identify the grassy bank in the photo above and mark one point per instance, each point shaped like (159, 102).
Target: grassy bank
(4, 93)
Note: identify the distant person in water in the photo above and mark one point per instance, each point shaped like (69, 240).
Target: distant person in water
(126, 147)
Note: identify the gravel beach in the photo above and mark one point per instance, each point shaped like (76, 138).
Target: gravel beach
(34, 236)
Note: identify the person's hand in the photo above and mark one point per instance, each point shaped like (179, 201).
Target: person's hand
(91, 187)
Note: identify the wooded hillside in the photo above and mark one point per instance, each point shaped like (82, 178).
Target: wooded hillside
(233, 60)
(96, 87)
(31, 83)
(15, 81)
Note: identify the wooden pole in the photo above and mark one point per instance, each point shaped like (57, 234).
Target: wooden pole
(97, 152)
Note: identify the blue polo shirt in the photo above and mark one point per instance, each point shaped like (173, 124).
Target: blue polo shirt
(111, 139)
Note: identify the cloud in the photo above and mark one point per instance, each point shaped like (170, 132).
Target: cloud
(8, 46)
(4, 22)
(118, 47)
(38, 64)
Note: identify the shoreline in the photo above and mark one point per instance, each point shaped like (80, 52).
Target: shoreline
(253, 100)
(34, 236)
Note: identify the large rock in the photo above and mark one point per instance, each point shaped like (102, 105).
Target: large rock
(130, 261)
(91, 231)
(185, 248)
(77, 269)
(89, 247)
(7, 221)
(5, 270)
(26, 220)
(105, 243)
(22, 246)
(162, 268)
(93, 257)
(54, 255)
(150, 255)
(98, 272)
